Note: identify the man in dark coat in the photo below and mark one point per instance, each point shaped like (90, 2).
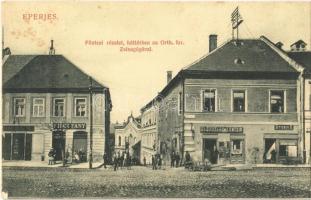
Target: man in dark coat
(153, 162)
(172, 159)
(105, 159)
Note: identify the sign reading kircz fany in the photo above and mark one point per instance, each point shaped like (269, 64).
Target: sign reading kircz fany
(69, 125)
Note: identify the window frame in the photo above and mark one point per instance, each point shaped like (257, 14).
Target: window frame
(284, 101)
(14, 106)
(245, 100)
(203, 100)
(53, 110)
(75, 104)
(33, 106)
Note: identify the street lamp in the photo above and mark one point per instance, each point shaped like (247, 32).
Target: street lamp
(91, 122)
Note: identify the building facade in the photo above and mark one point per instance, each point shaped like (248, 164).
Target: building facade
(149, 126)
(128, 138)
(238, 104)
(302, 56)
(46, 104)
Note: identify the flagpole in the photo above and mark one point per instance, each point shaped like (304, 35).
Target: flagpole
(237, 28)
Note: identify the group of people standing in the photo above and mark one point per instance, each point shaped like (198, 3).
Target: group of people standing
(122, 160)
(175, 159)
(156, 161)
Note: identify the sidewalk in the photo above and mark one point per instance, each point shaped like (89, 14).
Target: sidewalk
(44, 164)
(261, 166)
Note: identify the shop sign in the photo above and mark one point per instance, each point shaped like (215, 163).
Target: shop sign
(69, 125)
(18, 128)
(283, 127)
(206, 129)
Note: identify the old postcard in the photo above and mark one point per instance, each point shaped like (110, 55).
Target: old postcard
(156, 99)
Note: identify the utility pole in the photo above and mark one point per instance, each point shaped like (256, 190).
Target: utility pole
(91, 123)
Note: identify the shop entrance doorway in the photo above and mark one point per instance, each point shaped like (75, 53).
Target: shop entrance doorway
(210, 150)
(270, 151)
(80, 145)
(58, 144)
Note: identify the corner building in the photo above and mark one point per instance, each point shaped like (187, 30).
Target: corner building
(238, 104)
(46, 103)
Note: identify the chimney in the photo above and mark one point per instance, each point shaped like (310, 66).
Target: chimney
(212, 42)
(169, 76)
(279, 45)
(52, 50)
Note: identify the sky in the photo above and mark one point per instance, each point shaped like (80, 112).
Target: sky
(134, 78)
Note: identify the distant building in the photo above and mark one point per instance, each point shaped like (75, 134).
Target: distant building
(128, 137)
(149, 131)
(238, 104)
(303, 57)
(46, 104)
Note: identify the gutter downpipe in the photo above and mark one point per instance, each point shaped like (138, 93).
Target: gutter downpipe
(183, 116)
(304, 154)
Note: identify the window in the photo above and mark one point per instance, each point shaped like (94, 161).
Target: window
(58, 107)
(80, 107)
(236, 147)
(277, 101)
(19, 107)
(209, 100)
(239, 101)
(38, 107)
(288, 148)
(119, 140)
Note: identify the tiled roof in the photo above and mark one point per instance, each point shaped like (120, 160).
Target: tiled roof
(13, 65)
(252, 55)
(303, 58)
(44, 72)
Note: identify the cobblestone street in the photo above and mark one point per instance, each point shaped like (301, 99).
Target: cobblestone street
(143, 182)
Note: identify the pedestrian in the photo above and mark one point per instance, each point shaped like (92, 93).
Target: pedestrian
(177, 158)
(153, 162)
(188, 160)
(105, 158)
(76, 157)
(160, 161)
(121, 160)
(115, 162)
(144, 161)
(51, 156)
(172, 159)
(129, 159)
(273, 156)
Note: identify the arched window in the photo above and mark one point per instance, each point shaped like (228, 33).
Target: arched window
(119, 140)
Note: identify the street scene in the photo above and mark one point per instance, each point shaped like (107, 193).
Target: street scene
(217, 107)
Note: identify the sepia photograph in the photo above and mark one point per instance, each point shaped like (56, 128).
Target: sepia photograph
(170, 99)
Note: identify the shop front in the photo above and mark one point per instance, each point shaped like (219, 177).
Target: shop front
(17, 142)
(280, 149)
(223, 145)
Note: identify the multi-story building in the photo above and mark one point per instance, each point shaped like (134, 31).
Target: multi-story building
(149, 115)
(302, 56)
(46, 104)
(128, 137)
(240, 103)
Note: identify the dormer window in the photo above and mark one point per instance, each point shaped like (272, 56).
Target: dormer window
(239, 61)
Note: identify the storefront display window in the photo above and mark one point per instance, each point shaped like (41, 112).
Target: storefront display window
(236, 147)
(288, 148)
